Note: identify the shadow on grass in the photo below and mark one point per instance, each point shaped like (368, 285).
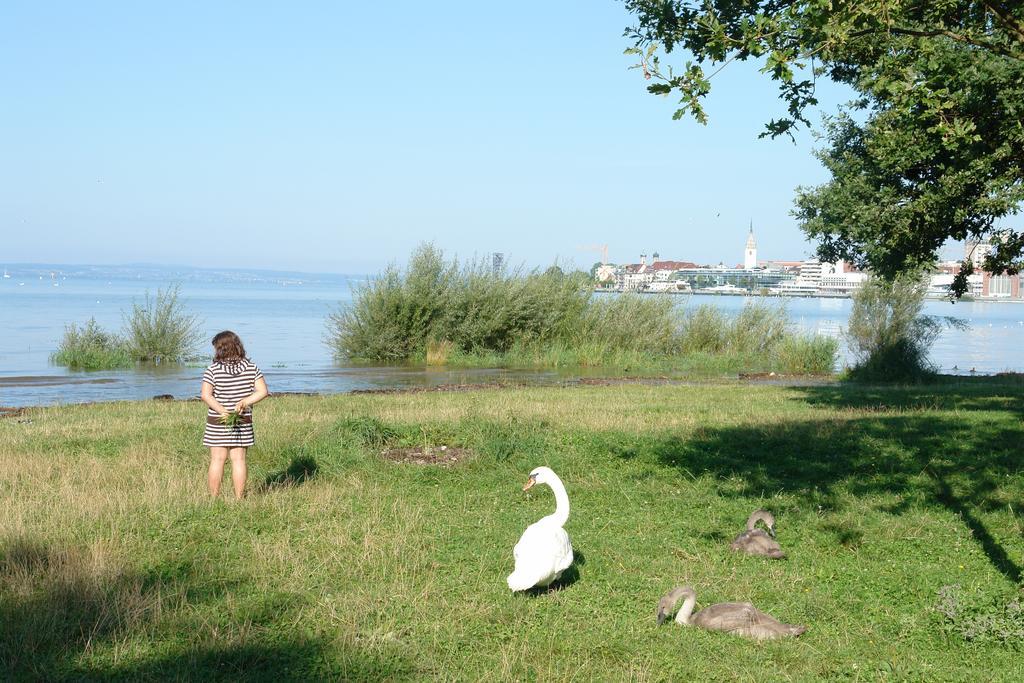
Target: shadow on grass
(301, 469)
(277, 661)
(946, 393)
(62, 608)
(568, 577)
(716, 536)
(845, 534)
(57, 602)
(965, 459)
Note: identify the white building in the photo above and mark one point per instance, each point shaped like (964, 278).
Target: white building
(750, 253)
(841, 283)
(824, 278)
(635, 276)
(976, 253)
(939, 284)
(1000, 286)
(811, 271)
(605, 273)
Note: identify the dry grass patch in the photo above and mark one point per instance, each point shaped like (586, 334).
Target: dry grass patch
(443, 456)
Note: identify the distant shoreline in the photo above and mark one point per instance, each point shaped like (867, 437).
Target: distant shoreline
(160, 271)
(982, 300)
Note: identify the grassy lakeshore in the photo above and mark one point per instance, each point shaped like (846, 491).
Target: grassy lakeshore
(898, 507)
(440, 311)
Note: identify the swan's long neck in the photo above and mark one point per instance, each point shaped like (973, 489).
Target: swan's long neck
(561, 515)
(755, 517)
(683, 615)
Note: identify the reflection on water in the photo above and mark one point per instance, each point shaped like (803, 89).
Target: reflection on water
(283, 325)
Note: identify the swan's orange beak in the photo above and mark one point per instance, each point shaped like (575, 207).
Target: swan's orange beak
(529, 482)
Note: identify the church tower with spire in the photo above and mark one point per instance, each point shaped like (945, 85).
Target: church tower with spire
(750, 254)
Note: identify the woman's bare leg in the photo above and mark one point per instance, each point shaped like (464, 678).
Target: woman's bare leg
(239, 471)
(218, 454)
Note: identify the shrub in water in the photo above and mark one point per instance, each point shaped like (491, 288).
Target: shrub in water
(472, 307)
(160, 330)
(89, 347)
(392, 316)
(632, 322)
(705, 329)
(493, 311)
(888, 336)
(758, 328)
(438, 352)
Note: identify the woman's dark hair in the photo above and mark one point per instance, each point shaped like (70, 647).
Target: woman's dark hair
(227, 347)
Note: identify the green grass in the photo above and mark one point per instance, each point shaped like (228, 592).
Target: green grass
(898, 508)
(792, 356)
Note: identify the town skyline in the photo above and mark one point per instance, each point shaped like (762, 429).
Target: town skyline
(795, 277)
(951, 251)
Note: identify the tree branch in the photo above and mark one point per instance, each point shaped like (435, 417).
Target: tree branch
(1007, 19)
(958, 37)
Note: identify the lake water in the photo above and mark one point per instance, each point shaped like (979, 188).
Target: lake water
(281, 319)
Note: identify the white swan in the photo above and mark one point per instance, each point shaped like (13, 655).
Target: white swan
(543, 551)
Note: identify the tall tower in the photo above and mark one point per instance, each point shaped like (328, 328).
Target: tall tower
(750, 254)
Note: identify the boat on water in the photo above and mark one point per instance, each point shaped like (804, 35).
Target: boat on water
(728, 288)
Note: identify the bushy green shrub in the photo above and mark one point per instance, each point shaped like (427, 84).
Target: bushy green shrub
(705, 329)
(468, 306)
(393, 315)
(888, 336)
(757, 329)
(806, 354)
(160, 330)
(489, 310)
(89, 347)
(632, 322)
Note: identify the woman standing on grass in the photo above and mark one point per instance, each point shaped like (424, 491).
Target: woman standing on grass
(232, 384)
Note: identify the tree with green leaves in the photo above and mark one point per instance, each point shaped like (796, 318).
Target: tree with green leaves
(930, 149)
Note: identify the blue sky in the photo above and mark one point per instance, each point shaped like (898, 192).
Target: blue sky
(336, 136)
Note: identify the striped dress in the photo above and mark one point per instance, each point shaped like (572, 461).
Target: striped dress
(232, 381)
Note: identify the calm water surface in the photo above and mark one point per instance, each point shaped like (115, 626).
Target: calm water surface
(281, 318)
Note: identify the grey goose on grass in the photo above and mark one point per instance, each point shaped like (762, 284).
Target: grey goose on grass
(737, 618)
(754, 541)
